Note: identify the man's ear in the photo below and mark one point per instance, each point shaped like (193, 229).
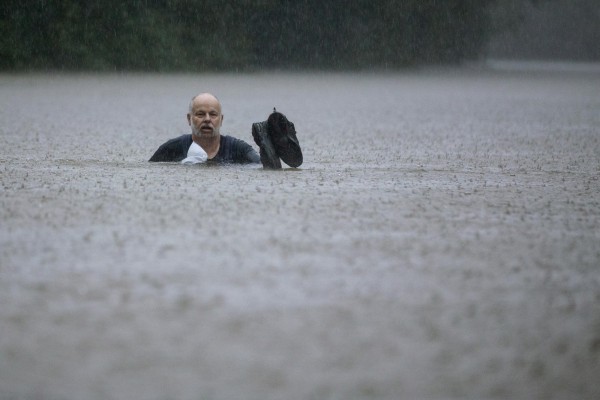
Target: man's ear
(222, 118)
(189, 118)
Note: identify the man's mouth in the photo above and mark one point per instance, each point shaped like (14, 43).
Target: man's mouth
(206, 128)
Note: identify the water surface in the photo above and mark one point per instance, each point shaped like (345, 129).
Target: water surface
(440, 240)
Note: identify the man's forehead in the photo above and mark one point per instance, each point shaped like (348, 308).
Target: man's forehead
(206, 100)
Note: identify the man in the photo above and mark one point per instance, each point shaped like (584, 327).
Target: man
(276, 138)
(205, 144)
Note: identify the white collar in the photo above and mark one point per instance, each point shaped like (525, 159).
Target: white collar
(195, 155)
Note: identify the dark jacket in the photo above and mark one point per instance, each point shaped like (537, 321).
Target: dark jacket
(231, 150)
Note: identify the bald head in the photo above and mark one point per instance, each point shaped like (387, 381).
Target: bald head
(203, 98)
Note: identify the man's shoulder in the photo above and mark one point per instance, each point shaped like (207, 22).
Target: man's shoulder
(229, 138)
(173, 149)
(179, 139)
(232, 140)
(237, 150)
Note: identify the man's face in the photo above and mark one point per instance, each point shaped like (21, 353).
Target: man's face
(205, 117)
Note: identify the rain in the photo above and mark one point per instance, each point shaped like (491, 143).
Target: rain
(440, 240)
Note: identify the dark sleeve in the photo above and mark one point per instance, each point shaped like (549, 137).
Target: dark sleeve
(252, 156)
(169, 151)
(245, 153)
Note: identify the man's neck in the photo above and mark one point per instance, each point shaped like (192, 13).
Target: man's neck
(209, 144)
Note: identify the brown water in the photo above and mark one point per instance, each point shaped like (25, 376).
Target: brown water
(441, 240)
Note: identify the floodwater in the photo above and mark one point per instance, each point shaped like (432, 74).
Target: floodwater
(441, 240)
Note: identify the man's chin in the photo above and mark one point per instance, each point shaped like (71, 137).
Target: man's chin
(207, 134)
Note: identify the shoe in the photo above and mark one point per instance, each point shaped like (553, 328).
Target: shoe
(268, 155)
(283, 136)
(277, 139)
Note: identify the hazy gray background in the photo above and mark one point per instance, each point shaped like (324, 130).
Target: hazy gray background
(245, 35)
(547, 29)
